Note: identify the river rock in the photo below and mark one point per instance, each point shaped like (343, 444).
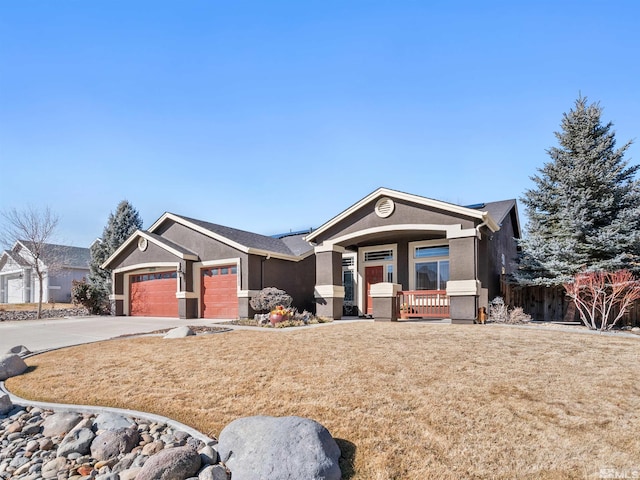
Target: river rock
(213, 472)
(285, 448)
(60, 423)
(112, 443)
(11, 365)
(5, 404)
(171, 464)
(77, 441)
(111, 421)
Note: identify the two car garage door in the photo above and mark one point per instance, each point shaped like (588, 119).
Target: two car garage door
(154, 294)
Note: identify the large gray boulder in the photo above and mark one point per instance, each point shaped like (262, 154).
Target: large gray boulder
(179, 332)
(171, 464)
(5, 404)
(112, 443)
(60, 423)
(11, 365)
(285, 448)
(76, 441)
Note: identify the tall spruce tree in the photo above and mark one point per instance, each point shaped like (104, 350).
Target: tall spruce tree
(120, 226)
(584, 213)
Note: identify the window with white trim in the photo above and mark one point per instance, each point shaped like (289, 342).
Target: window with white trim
(430, 266)
(349, 278)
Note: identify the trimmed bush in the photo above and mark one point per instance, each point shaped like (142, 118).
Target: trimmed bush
(269, 298)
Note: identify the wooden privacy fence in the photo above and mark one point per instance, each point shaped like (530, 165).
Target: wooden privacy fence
(552, 304)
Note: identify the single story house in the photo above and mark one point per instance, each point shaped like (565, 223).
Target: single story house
(389, 252)
(61, 265)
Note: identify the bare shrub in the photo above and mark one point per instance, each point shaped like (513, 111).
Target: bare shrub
(518, 315)
(499, 312)
(602, 298)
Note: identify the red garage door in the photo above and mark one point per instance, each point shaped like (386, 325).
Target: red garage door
(220, 292)
(154, 295)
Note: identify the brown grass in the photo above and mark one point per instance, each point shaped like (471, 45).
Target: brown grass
(28, 307)
(405, 401)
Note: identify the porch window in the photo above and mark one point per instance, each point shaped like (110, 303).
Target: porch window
(432, 275)
(379, 255)
(349, 285)
(430, 265)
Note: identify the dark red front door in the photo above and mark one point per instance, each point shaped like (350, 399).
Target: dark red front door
(372, 275)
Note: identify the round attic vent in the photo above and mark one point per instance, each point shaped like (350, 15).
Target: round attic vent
(142, 244)
(384, 207)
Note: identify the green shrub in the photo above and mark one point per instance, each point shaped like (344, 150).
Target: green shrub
(90, 297)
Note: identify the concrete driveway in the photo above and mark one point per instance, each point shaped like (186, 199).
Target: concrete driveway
(39, 335)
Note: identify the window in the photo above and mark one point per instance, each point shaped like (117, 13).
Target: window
(432, 275)
(430, 265)
(430, 252)
(376, 256)
(348, 281)
(390, 273)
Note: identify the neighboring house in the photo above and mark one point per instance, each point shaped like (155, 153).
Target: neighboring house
(414, 250)
(61, 265)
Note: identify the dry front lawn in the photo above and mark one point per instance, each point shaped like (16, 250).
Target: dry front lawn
(404, 400)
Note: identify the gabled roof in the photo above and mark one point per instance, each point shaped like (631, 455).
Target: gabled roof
(162, 242)
(62, 255)
(15, 258)
(247, 242)
(500, 210)
(427, 202)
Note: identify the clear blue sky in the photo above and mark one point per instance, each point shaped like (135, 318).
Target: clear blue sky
(273, 116)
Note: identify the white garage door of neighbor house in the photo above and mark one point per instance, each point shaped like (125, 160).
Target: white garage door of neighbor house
(14, 290)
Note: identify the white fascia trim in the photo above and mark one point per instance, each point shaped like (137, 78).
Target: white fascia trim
(329, 291)
(428, 202)
(457, 288)
(116, 296)
(329, 247)
(385, 289)
(147, 266)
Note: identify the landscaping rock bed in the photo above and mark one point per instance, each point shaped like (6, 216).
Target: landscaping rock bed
(14, 315)
(37, 443)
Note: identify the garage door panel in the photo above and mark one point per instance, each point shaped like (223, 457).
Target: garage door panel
(220, 292)
(154, 295)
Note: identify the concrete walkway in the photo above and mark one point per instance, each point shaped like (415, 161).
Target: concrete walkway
(39, 335)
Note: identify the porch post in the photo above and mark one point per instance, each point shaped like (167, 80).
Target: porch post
(463, 287)
(385, 303)
(329, 291)
(117, 297)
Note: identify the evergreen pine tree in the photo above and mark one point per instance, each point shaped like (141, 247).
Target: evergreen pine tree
(585, 210)
(120, 226)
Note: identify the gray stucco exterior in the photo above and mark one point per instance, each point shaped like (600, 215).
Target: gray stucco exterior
(386, 230)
